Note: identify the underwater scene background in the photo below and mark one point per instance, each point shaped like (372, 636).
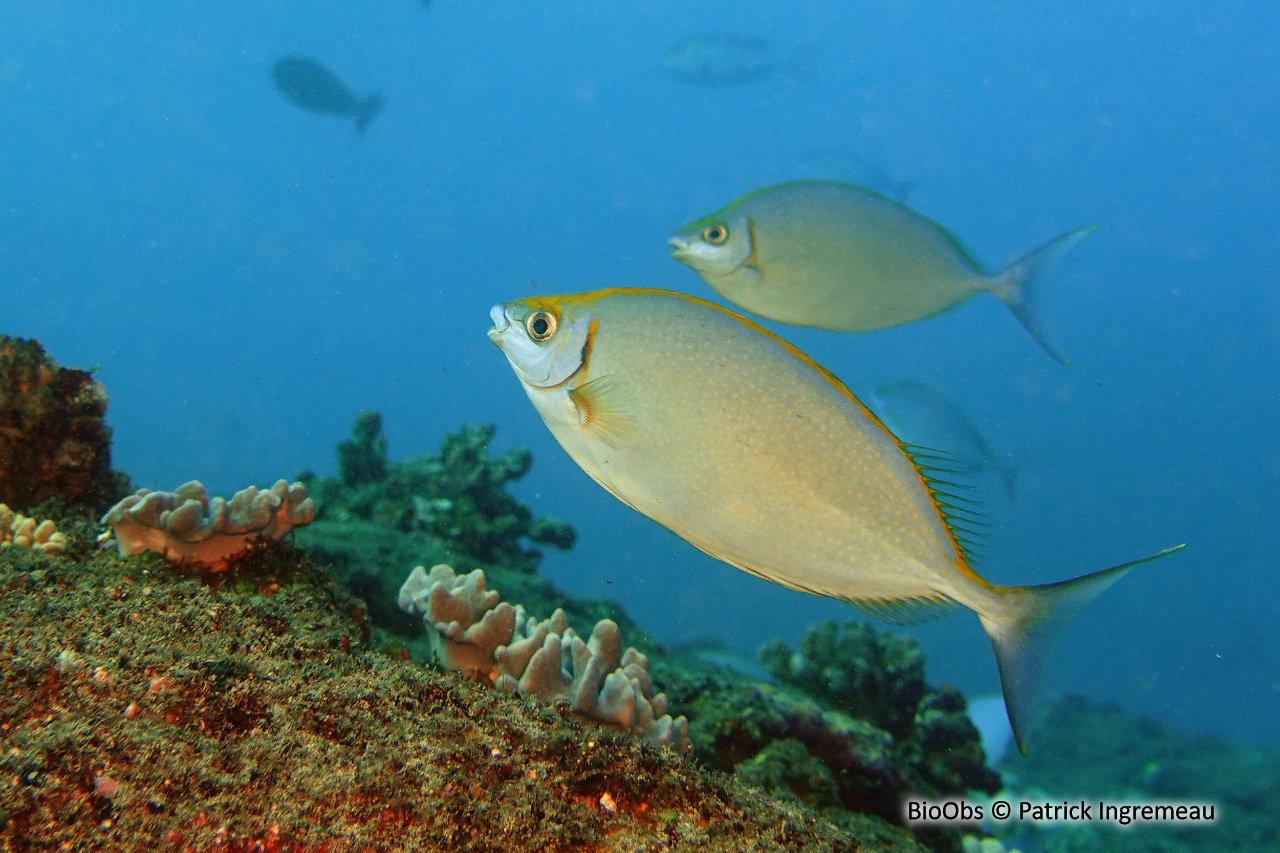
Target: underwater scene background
(248, 276)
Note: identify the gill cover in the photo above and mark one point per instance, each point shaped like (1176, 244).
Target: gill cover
(543, 344)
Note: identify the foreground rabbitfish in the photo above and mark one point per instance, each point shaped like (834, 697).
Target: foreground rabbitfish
(738, 442)
(839, 257)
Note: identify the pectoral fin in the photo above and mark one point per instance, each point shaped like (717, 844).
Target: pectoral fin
(605, 405)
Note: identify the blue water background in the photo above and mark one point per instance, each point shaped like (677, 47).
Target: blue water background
(249, 276)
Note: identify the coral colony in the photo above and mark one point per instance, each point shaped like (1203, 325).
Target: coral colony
(491, 641)
(185, 526)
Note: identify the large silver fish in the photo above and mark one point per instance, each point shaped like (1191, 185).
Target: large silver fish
(735, 440)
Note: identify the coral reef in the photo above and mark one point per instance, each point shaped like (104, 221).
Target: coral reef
(141, 709)
(53, 441)
(491, 641)
(849, 727)
(458, 496)
(878, 678)
(185, 526)
(17, 529)
(1094, 751)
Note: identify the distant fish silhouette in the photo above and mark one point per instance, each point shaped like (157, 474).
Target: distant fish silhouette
(919, 415)
(313, 87)
(727, 60)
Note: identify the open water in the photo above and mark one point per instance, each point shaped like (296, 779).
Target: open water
(249, 275)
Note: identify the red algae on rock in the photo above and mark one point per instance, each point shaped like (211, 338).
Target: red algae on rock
(141, 709)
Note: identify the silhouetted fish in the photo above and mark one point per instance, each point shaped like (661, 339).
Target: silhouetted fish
(919, 415)
(313, 87)
(726, 60)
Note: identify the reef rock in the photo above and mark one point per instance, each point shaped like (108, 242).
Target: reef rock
(53, 441)
(185, 526)
(17, 529)
(487, 639)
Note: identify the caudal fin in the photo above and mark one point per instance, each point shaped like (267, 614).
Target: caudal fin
(366, 110)
(1023, 633)
(1018, 286)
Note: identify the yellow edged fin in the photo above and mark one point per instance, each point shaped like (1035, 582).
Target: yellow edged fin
(604, 405)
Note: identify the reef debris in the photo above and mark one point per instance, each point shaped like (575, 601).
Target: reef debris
(17, 529)
(186, 526)
(53, 440)
(458, 495)
(494, 642)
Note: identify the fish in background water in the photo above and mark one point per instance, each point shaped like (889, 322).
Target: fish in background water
(917, 414)
(739, 443)
(856, 169)
(839, 257)
(313, 87)
(727, 60)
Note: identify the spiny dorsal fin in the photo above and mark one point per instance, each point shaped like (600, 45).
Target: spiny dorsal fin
(944, 478)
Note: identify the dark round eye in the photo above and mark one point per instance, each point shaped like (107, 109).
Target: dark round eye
(541, 325)
(715, 234)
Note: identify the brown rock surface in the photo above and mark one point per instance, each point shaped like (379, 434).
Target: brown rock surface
(144, 710)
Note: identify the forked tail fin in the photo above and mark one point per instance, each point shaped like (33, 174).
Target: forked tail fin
(1023, 632)
(1018, 285)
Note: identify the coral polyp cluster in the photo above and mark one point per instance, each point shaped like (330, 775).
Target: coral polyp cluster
(17, 529)
(186, 526)
(474, 632)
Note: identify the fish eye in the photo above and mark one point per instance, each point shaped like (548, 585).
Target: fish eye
(715, 234)
(541, 325)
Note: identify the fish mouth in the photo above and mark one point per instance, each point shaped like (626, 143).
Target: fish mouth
(498, 314)
(679, 246)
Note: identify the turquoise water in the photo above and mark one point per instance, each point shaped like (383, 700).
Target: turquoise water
(249, 275)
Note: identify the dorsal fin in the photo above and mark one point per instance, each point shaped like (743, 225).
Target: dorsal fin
(945, 478)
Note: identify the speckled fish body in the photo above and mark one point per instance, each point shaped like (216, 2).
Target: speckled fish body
(838, 257)
(739, 443)
(728, 437)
